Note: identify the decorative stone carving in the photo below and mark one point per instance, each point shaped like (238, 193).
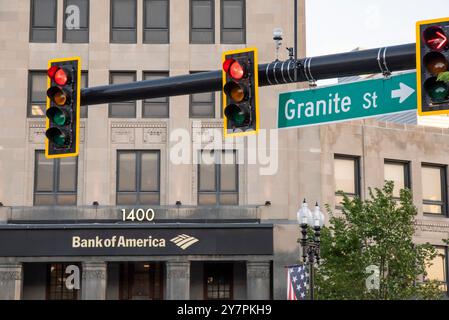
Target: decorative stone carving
(10, 275)
(206, 131)
(82, 132)
(178, 273)
(207, 124)
(153, 131)
(258, 269)
(94, 274)
(155, 135)
(36, 135)
(178, 270)
(122, 135)
(422, 225)
(139, 124)
(36, 132)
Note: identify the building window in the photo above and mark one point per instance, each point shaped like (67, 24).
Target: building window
(74, 34)
(202, 105)
(434, 189)
(141, 281)
(138, 177)
(347, 177)
(84, 84)
(218, 282)
(56, 282)
(202, 21)
(399, 173)
(156, 21)
(55, 181)
(122, 109)
(157, 107)
(218, 178)
(37, 93)
(123, 21)
(43, 21)
(438, 269)
(233, 18)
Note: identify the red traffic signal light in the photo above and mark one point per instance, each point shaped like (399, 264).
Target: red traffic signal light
(63, 108)
(59, 75)
(240, 92)
(435, 38)
(432, 59)
(234, 69)
(51, 71)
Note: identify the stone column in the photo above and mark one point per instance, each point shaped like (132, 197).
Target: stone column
(11, 281)
(258, 280)
(93, 286)
(178, 280)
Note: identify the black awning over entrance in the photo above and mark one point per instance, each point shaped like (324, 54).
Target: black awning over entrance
(136, 239)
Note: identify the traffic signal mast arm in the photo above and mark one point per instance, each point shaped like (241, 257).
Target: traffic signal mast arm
(380, 60)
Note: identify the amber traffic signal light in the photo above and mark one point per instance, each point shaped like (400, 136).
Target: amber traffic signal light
(432, 59)
(63, 108)
(240, 92)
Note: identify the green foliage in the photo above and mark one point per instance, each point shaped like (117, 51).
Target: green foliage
(443, 76)
(378, 232)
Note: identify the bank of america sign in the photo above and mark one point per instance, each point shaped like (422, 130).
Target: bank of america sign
(184, 241)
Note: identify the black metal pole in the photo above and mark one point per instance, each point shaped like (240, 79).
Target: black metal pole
(304, 242)
(378, 60)
(311, 280)
(296, 29)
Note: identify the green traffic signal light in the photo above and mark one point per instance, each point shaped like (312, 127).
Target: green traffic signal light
(237, 115)
(438, 91)
(58, 137)
(59, 116)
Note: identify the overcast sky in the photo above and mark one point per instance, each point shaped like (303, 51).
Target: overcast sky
(341, 25)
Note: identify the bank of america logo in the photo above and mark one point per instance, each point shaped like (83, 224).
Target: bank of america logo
(184, 241)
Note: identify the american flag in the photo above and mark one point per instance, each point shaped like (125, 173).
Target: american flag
(297, 282)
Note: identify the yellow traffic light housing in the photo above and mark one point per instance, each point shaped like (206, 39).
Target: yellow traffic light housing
(63, 108)
(432, 61)
(240, 92)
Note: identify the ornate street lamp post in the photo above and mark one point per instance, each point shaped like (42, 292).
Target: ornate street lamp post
(310, 247)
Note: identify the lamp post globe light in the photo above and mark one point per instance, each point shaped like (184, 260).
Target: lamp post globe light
(310, 247)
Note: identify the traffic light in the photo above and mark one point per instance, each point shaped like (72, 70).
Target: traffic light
(240, 92)
(432, 60)
(63, 108)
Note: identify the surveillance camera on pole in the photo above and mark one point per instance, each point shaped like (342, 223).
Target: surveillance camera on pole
(277, 37)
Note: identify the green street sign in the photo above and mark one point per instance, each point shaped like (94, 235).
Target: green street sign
(348, 101)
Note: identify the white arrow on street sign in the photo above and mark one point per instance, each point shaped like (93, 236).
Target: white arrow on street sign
(402, 93)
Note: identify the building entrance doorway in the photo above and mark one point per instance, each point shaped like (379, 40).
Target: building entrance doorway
(141, 281)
